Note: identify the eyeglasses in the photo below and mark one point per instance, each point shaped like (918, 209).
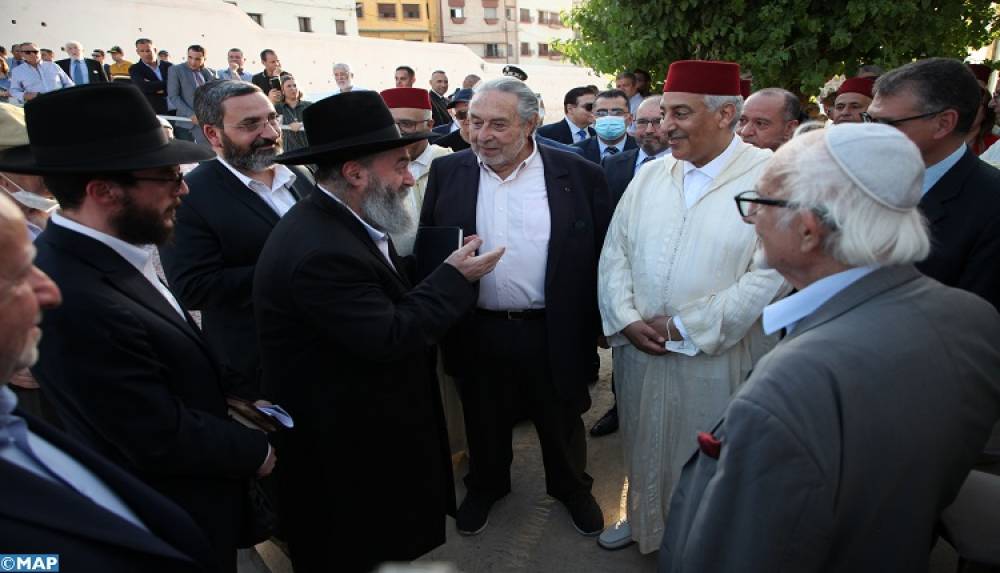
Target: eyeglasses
(407, 125)
(867, 118)
(746, 200)
(462, 115)
(176, 180)
(28, 52)
(253, 126)
(617, 112)
(586, 106)
(644, 123)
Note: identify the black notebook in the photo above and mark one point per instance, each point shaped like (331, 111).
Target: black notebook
(432, 247)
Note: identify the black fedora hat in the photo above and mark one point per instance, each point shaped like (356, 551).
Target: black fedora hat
(95, 128)
(348, 126)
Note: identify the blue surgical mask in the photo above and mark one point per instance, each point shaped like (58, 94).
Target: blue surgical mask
(610, 127)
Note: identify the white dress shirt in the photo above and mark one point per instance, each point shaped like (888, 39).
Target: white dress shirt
(514, 213)
(136, 255)
(278, 196)
(697, 180)
(576, 129)
(46, 77)
(380, 238)
(789, 311)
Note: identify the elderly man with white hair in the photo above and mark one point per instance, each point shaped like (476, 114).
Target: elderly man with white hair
(859, 427)
(80, 69)
(344, 78)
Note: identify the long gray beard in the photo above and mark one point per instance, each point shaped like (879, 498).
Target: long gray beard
(385, 209)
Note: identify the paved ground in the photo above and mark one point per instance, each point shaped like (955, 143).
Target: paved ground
(530, 532)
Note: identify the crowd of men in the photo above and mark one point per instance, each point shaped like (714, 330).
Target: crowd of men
(802, 316)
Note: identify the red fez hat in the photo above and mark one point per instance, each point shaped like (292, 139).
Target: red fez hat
(861, 86)
(981, 71)
(703, 77)
(745, 88)
(406, 97)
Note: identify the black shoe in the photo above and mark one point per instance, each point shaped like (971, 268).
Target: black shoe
(608, 424)
(587, 516)
(474, 514)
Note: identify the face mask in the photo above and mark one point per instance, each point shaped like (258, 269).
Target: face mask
(610, 127)
(31, 200)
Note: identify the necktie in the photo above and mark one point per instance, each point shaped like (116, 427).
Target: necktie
(610, 150)
(647, 159)
(79, 78)
(199, 80)
(14, 433)
(581, 135)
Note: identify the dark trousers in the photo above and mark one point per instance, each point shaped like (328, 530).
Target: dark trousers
(512, 381)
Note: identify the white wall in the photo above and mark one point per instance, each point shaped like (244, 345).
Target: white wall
(216, 25)
(284, 14)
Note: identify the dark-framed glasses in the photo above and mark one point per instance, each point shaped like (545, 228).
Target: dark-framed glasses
(867, 118)
(255, 125)
(617, 112)
(647, 123)
(587, 106)
(747, 202)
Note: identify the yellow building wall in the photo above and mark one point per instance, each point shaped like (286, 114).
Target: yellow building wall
(426, 28)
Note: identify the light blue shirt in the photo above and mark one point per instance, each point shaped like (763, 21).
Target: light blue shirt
(787, 312)
(576, 129)
(225, 74)
(44, 78)
(935, 172)
(61, 464)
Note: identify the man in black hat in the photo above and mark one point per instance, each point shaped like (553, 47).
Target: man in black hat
(236, 199)
(122, 362)
(346, 347)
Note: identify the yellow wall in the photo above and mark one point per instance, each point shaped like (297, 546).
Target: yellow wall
(423, 29)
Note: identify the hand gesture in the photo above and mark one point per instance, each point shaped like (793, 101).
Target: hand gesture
(474, 267)
(645, 338)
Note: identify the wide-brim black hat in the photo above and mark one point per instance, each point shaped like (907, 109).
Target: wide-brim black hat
(96, 128)
(348, 126)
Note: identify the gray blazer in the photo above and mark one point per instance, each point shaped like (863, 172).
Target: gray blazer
(848, 439)
(180, 94)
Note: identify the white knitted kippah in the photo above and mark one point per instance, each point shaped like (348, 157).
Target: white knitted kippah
(880, 160)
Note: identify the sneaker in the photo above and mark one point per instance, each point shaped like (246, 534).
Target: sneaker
(587, 516)
(473, 515)
(618, 536)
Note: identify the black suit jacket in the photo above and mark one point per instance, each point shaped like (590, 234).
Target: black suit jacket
(580, 212)
(559, 131)
(134, 380)
(94, 70)
(592, 150)
(41, 516)
(619, 170)
(152, 87)
(263, 81)
(439, 109)
(452, 141)
(963, 209)
(221, 228)
(346, 347)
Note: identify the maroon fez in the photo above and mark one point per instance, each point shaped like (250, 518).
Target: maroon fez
(981, 71)
(745, 88)
(703, 77)
(861, 86)
(406, 97)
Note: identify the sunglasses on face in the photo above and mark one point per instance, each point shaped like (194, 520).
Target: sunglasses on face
(462, 115)
(586, 106)
(29, 51)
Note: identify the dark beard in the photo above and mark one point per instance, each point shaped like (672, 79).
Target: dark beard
(140, 226)
(257, 158)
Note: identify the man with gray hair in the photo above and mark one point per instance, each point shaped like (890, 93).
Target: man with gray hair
(680, 296)
(527, 348)
(934, 102)
(80, 69)
(851, 436)
(769, 118)
(235, 201)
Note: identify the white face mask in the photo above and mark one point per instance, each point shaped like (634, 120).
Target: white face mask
(29, 199)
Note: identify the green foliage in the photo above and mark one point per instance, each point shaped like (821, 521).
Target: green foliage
(796, 44)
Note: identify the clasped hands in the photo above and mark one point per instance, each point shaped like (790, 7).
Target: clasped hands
(650, 335)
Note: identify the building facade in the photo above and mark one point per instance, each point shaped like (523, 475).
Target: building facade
(413, 20)
(310, 16)
(508, 31)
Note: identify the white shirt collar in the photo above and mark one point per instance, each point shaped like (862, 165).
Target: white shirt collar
(283, 177)
(136, 255)
(935, 172)
(713, 168)
(374, 233)
(574, 128)
(529, 160)
(787, 312)
(620, 146)
(642, 155)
